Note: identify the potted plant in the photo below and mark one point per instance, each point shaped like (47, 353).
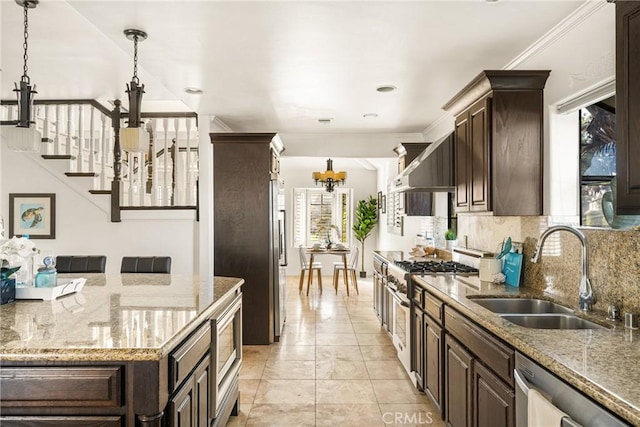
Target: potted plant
(450, 237)
(366, 219)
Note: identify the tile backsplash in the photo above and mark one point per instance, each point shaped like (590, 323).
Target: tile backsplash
(614, 257)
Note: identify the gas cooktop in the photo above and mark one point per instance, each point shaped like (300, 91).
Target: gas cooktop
(436, 267)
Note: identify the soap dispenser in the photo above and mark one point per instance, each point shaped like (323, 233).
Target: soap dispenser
(47, 276)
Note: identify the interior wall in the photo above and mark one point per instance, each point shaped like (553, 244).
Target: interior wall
(82, 228)
(363, 183)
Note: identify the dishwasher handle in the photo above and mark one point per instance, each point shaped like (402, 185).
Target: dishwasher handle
(524, 386)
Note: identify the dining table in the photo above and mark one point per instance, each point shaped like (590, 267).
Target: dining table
(340, 252)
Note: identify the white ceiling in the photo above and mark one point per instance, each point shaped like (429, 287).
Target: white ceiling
(276, 66)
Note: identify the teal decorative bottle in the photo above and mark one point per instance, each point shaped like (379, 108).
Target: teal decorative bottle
(47, 276)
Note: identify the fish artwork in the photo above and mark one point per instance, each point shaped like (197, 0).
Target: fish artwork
(34, 215)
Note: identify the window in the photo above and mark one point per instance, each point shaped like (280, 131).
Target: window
(319, 216)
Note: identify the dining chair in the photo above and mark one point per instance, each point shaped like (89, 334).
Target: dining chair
(146, 264)
(338, 269)
(304, 266)
(81, 263)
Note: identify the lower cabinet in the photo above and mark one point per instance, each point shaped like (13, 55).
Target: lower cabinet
(433, 366)
(418, 347)
(190, 405)
(458, 384)
(493, 400)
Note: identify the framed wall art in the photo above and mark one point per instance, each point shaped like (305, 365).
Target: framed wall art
(32, 214)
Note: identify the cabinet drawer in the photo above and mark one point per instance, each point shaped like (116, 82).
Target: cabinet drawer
(99, 386)
(433, 307)
(418, 296)
(67, 421)
(487, 348)
(186, 356)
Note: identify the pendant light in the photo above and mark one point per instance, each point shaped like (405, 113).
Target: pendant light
(329, 178)
(134, 138)
(24, 136)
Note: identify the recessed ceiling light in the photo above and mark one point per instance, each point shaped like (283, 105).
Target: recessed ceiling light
(370, 115)
(193, 90)
(386, 88)
(324, 121)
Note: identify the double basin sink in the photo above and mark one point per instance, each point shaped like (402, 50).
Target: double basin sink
(536, 313)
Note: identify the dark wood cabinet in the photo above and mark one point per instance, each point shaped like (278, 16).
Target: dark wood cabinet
(182, 406)
(418, 347)
(628, 106)
(433, 367)
(459, 384)
(498, 141)
(494, 402)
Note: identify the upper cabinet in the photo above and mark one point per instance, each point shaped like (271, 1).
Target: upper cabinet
(498, 142)
(417, 203)
(628, 106)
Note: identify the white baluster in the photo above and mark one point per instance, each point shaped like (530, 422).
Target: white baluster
(56, 143)
(104, 153)
(187, 169)
(165, 157)
(68, 139)
(80, 136)
(46, 129)
(131, 160)
(176, 169)
(142, 179)
(154, 164)
(92, 140)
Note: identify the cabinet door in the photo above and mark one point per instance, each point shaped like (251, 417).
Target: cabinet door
(461, 156)
(182, 406)
(479, 163)
(459, 384)
(202, 383)
(418, 346)
(433, 337)
(494, 402)
(628, 106)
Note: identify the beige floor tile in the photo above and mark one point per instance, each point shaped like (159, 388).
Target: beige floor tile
(379, 352)
(289, 370)
(411, 415)
(329, 339)
(353, 415)
(293, 352)
(332, 318)
(248, 389)
(241, 419)
(397, 391)
(252, 369)
(341, 370)
(362, 317)
(282, 415)
(298, 338)
(286, 391)
(386, 370)
(374, 339)
(372, 327)
(334, 328)
(255, 352)
(344, 391)
(338, 352)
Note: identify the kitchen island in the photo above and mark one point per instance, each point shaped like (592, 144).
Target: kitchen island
(129, 349)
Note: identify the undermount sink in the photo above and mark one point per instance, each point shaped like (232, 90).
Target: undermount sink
(551, 321)
(521, 306)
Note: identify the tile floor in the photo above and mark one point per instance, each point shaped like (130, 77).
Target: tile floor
(333, 366)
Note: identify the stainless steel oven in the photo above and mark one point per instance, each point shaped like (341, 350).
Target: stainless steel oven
(228, 353)
(400, 328)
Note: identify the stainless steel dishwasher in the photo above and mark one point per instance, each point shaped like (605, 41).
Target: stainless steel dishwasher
(581, 411)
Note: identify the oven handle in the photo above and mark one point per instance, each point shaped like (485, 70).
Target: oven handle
(398, 299)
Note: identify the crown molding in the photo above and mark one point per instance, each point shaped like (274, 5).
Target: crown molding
(588, 96)
(574, 19)
(218, 125)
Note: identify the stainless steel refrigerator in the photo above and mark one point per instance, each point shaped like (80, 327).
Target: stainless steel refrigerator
(279, 251)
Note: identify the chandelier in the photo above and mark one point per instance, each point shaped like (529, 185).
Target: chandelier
(134, 138)
(329, 178)
(24, 136)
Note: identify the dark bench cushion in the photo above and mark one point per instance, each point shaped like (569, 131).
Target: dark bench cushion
(149, 264)
(81, 264)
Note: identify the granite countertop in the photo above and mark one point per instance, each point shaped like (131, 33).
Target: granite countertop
(115, 317)
(391, 256)
(602, 363)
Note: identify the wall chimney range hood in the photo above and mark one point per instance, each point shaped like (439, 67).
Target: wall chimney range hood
(431, 171)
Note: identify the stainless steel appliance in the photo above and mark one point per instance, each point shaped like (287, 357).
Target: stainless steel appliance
(580, 410)
(280, 284)
(399, 281)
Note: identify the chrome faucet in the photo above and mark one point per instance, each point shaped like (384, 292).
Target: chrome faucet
(585, 293)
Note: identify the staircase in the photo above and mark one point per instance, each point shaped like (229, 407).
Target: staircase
(79, 139)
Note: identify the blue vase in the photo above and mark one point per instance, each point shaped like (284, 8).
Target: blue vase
(7, 291)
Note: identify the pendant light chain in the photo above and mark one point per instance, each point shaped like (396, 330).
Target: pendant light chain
(25, 45)
(135, 60)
